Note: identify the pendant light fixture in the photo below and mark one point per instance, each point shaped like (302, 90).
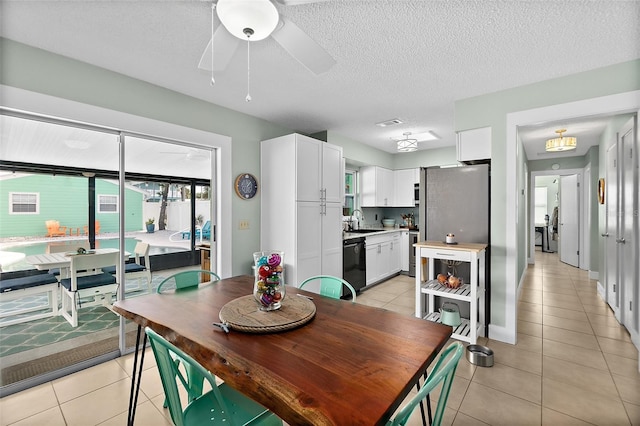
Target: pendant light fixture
(407, 144)
(561, 143)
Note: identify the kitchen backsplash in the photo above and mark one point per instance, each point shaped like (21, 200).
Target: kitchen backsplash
(373, 215)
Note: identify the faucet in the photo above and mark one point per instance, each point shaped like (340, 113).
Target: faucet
(357, 221)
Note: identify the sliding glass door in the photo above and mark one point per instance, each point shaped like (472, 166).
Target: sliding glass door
(66, 186)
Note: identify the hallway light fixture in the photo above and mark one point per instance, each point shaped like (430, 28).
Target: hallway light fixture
(561, 143)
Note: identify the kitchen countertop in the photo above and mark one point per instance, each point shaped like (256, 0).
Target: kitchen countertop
(459, 246)
(374, 231)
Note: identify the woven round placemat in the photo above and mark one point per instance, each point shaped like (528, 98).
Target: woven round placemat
(243, 314)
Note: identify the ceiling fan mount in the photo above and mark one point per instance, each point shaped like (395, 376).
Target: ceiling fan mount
(255, 20)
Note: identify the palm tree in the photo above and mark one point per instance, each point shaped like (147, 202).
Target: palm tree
(164, 187)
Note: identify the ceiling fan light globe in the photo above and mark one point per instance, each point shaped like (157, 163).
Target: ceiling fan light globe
(261, 16)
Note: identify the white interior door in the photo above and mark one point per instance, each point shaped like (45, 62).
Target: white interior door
(611, 228)
(569, 220)
(627, 240)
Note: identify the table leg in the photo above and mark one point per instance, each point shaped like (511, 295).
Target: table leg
(135, 378)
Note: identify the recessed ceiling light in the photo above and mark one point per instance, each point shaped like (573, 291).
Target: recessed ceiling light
(391, 122)
(77, 144)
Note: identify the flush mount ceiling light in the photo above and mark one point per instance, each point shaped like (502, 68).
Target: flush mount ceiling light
(561, 143)
(77, 144)
(407, 144)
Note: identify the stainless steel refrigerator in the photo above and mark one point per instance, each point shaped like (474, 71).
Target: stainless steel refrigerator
(457, 201)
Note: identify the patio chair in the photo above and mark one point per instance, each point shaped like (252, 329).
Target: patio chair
(331, 286)
(221, 405)
(141, 268)
(86, 228)
(443, 372)
(206, 230)
(54, 229)
(201, 233)
(94, 283)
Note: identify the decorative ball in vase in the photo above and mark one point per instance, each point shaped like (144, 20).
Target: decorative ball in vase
(268, 288)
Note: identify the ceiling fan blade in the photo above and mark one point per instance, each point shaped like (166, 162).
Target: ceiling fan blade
(297, 2)
(223, 49)
(302, 47)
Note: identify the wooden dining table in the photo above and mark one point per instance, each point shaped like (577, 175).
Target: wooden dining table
(351, 364)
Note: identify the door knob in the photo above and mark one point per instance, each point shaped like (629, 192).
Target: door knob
(606, 234)
(620, 240)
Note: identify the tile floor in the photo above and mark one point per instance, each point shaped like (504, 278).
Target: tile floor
(573, 364)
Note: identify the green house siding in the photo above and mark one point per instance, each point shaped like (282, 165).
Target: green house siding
(62, 198)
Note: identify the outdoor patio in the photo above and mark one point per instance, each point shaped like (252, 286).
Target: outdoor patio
(39, 346)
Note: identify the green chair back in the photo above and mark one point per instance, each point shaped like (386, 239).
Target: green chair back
(222, 405)
(443, 372)
(331, 286)
(186, 279)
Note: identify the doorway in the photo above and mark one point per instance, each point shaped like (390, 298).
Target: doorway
(545, 178)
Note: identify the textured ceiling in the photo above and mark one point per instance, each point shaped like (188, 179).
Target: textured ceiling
(395, 58)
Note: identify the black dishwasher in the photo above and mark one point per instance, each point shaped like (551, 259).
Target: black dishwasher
(354, 268)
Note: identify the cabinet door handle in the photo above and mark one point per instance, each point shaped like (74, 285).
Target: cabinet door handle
(620, 240)
(445, 254)
(606, 234)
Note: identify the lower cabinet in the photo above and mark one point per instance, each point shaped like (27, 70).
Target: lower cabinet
(383, 256)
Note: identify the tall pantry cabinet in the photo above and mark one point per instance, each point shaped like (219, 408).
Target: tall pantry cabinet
(301, 205)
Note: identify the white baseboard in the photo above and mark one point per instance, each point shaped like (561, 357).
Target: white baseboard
(594, 275)
(501, 334)
(601, 292)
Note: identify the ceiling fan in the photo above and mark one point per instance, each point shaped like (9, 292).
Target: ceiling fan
(256, 20)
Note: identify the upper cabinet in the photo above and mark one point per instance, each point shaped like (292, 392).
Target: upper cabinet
(474, 145)
(382, 187)
(405, 181)
(377, 187)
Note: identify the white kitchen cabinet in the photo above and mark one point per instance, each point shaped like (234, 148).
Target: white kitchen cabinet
(405, 181)
(473, 293)
(395, 254)
(404, 251)
(473, 145)
(382, 256)
(301, 205)
(377, 187)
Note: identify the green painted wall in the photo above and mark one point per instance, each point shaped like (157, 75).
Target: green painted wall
(40, 71)
(61, 198)
(491, 110)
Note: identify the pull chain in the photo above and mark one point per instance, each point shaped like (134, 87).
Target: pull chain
(213, 10)
(248, 32)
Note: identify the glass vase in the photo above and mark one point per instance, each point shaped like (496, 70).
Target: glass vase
(268, 288)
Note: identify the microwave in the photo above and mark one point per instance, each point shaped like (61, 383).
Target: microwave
(416, 193)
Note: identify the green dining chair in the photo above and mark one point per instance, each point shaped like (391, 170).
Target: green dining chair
(443, 372)
(181, 281)
(186, 279)
(331, 286)
(222, 405)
